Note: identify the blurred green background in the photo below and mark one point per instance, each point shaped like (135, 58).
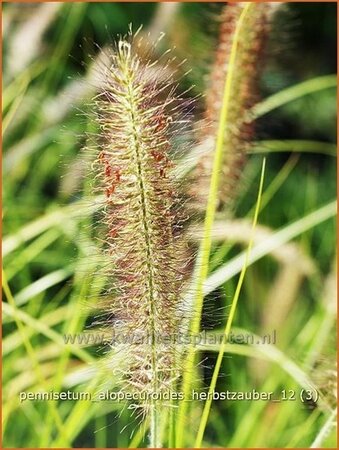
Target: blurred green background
(48, 78)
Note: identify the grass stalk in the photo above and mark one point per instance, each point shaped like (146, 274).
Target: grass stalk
(31, 353)
(208, 403)
(204, 253)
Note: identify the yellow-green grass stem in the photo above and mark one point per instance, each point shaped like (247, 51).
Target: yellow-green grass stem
(31, 353)
(208, 403)
(205, 250)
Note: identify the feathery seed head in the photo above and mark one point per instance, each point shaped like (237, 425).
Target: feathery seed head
(243, 81)
(136, 112)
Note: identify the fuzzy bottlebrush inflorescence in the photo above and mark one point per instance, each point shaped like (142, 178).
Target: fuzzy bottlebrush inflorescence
(250, 42)
(137, 114)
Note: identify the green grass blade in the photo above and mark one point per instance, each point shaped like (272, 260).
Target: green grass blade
(284, 235)
(205, 249)
(294, 145)
(208, 403)
(293, 93)
(325, 430)
(39, 327)
(31, 353)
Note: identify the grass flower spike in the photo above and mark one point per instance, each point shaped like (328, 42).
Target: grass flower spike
(136, 114)
(239, 129)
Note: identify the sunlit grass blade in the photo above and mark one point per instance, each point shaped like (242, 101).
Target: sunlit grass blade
(292, 145)
(324, 432)
(229, 321)
(205, 248)
(234, 266)
(39, 327)
(268, 352)
(293, 93)
(31, 353)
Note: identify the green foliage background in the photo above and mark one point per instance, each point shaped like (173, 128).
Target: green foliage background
(46, 238)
